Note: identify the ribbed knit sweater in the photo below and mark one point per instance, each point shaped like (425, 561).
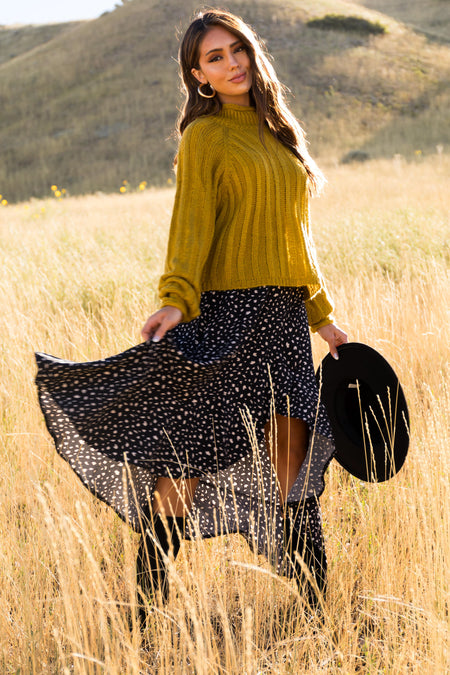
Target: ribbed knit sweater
(240, 217)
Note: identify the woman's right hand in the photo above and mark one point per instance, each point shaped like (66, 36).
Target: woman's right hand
(160, 322)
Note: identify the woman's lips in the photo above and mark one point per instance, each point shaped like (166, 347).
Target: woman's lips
(238, 78)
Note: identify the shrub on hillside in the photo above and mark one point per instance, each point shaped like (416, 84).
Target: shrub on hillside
(355, 156)
(353, 24)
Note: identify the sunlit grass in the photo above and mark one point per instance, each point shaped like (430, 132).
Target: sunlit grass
(78, 279)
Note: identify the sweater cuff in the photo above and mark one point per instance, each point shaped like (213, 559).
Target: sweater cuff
(173, 300)
(320, 324)
(178, 292)
(318, 308)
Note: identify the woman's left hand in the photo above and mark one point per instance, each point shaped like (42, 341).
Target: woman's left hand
(334, 336)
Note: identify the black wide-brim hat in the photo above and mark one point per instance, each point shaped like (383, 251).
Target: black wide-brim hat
(367, 410)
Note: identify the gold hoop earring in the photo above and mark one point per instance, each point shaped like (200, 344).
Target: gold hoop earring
(199, 89)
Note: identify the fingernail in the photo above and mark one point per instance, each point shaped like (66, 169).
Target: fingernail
(155, 338)
(336, 356)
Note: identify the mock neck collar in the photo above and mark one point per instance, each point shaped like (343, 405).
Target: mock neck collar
(244, 114)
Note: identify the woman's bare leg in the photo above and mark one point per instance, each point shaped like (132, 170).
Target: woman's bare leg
(174, 497)
(287, 446)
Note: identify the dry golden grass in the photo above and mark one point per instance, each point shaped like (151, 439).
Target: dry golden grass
(78, 279)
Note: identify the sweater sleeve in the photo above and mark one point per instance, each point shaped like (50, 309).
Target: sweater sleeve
(193, 221)
(318, 304)
(318, 307)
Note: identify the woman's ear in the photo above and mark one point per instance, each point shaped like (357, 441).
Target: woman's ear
(199, 76)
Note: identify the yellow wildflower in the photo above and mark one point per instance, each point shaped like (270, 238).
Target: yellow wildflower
(4, 202)
(142, 185)
(58, 193)
(54, 188)
(123, 189)
(169, 181)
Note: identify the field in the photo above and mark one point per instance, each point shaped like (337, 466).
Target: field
(78, 279)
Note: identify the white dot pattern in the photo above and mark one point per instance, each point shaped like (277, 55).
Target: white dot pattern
(191, 405)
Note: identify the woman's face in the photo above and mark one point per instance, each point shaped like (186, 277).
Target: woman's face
(225, 64)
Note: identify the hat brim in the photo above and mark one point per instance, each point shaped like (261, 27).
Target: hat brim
(367, 411)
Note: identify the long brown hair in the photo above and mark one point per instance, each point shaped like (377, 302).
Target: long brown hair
(267, 93)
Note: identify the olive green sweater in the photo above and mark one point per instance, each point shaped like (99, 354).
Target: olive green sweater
(240, 217)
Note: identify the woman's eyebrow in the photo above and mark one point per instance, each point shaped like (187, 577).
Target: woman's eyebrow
(220, 49)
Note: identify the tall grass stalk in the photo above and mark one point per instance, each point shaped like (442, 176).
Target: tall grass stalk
(78, 279)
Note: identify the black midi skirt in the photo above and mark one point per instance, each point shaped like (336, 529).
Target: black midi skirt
(195, 405)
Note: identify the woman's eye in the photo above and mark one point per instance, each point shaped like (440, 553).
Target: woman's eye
(241, 48)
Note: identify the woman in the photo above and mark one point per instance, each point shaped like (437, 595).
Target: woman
(226, 366)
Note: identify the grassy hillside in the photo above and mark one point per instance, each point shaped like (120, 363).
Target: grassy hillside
(94, 106)
(18, 40)
(432, 17)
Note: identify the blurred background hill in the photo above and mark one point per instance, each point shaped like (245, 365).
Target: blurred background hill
(87, 105)
(430, 18)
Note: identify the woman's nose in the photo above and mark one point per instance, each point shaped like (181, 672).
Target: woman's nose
(232, 61)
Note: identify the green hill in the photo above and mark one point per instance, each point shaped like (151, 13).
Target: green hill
(94, 103)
